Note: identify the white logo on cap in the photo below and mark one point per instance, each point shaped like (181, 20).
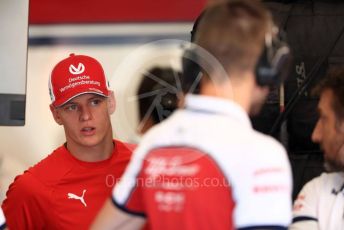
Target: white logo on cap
(79, 70)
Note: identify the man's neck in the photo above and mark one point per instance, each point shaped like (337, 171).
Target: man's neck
(95, 153)
(237, 92)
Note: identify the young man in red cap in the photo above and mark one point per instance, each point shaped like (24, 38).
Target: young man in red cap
(67, 188)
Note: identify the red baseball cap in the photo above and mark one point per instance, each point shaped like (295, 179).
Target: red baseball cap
(76, 75)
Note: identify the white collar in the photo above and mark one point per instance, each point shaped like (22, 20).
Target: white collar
(209, 104)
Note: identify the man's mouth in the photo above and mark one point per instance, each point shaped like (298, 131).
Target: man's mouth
(88, 130)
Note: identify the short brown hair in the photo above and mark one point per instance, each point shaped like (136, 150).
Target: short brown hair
(334, 81)
(234, 32)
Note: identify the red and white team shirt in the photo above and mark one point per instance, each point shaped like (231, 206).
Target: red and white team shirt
(206, 168)
(320, 204)
(62, 192)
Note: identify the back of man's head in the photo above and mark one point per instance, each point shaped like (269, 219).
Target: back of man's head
(234, 32)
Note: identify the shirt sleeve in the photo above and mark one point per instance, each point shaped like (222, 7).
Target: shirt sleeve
(21, 206)
(134, 202)
(263, 188)
(127, 194)
(305, 207)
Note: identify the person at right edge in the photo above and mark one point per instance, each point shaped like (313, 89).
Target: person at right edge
(320, 204)
(205, 167)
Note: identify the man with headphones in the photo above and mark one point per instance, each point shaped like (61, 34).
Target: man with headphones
(205, 167)
(320, 203)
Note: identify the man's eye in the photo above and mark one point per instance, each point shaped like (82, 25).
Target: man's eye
(71, 107)
(96, 102)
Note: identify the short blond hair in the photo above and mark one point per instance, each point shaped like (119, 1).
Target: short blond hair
(234, 32)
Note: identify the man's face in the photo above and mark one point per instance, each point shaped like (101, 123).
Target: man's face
(328, 134)
(86, 120)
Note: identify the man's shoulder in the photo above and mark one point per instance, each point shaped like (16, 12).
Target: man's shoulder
(260, 152)
(51, 168)
(265, 143)
(318, 194)
(326, 181)
(25, 187)
(25, 182)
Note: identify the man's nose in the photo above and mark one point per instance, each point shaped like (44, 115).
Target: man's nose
(316, 135)
(85, 113)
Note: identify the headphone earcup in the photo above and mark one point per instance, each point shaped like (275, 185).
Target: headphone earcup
(265, 74)
(273, 64)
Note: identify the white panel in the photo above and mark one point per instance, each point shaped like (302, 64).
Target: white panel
(117, 29)
(13, 45)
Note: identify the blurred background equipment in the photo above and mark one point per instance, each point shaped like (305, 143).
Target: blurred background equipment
(315, 33)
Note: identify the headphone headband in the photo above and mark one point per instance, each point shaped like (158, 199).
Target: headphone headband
(271, 68)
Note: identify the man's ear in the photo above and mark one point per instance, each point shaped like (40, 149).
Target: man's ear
(111, 103)
(56, 115)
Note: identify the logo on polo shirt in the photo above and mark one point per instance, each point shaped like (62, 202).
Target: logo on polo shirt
(77, 70)
(159, 166)
(170, 201)
(76, 197)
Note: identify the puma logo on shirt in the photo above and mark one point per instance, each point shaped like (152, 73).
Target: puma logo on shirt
(81, 198)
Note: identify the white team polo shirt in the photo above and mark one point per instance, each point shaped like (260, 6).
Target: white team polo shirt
(320, 204)
(255, 164)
